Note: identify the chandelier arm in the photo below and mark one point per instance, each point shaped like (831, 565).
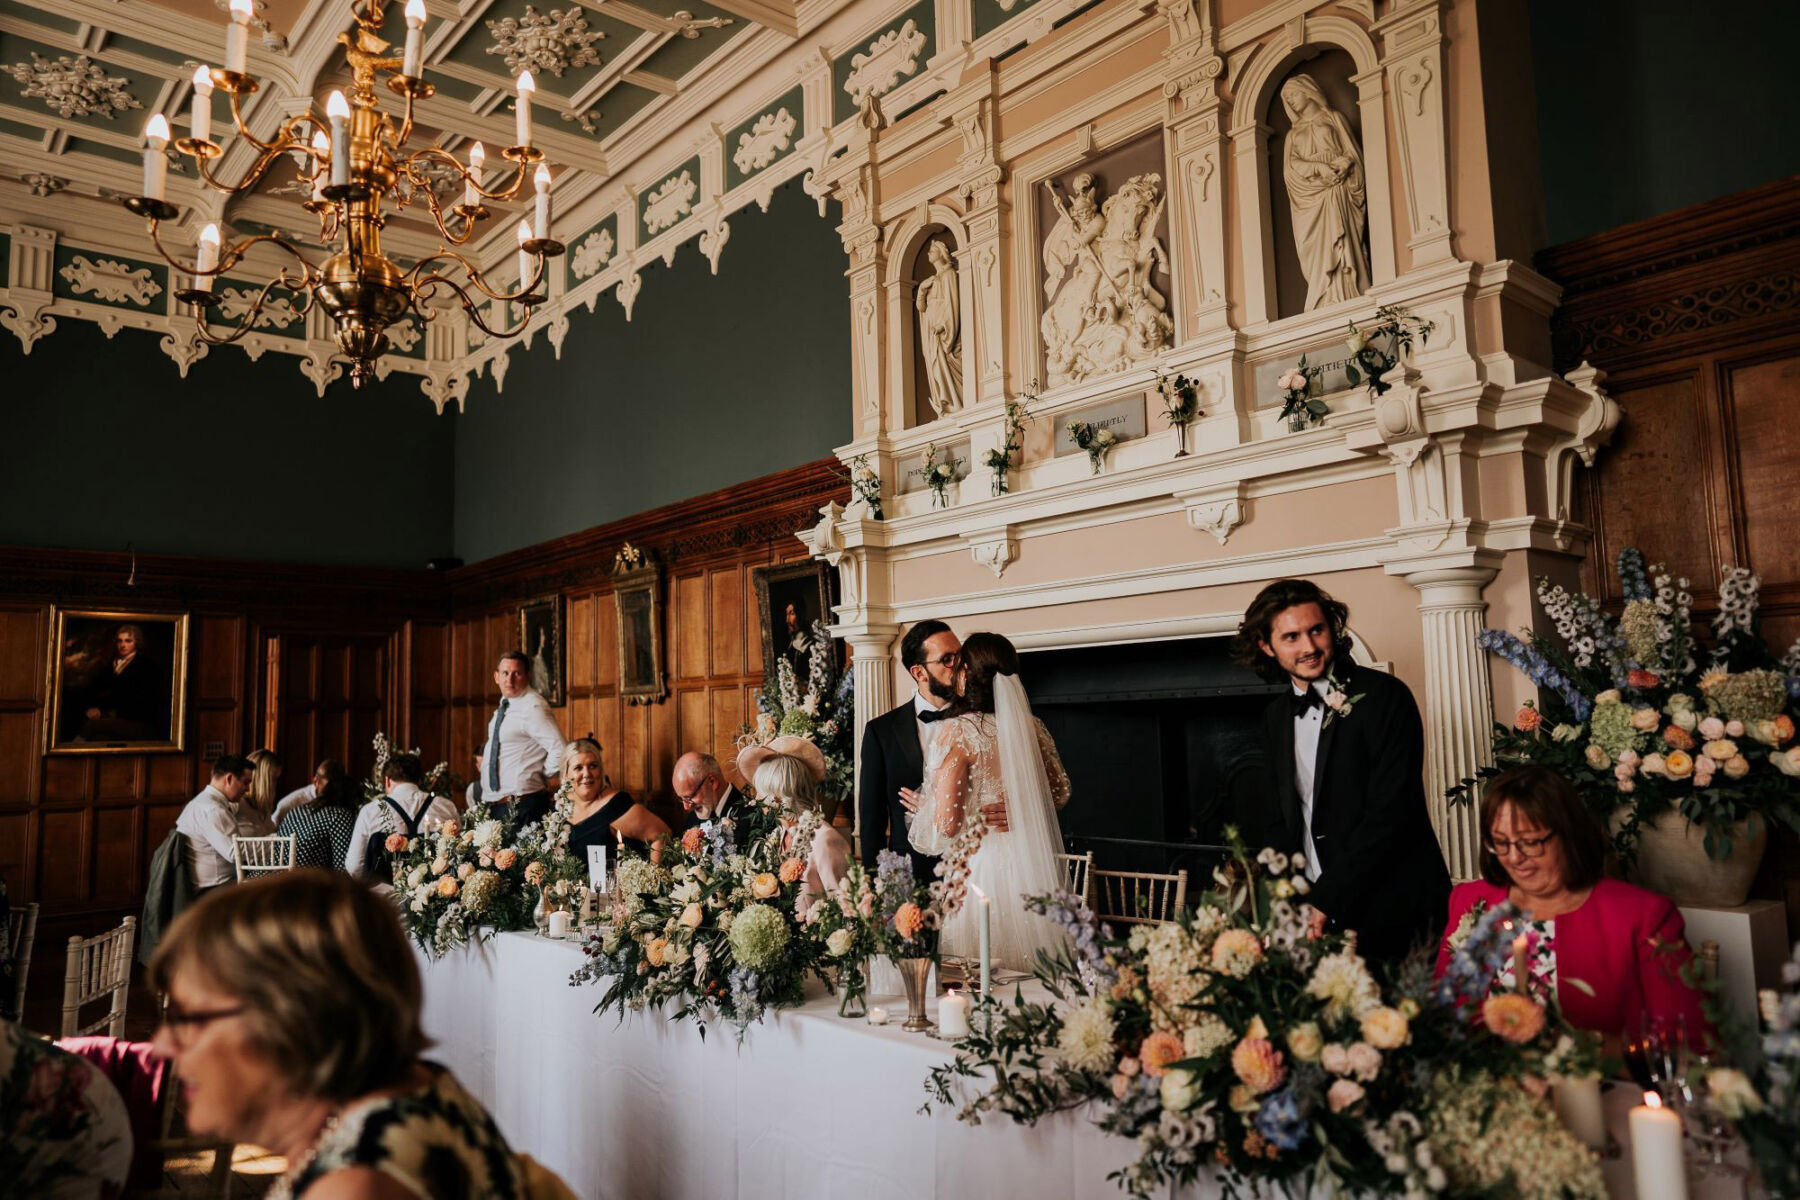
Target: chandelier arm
(288, 137)
(424, 289)
(246, 323)
(230, 256)
(509, 192)
(415, 175)
(476, 278)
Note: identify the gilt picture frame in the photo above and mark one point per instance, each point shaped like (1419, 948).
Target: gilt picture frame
(117, 682)
(638, 604)
(541, 638)
(808, 587)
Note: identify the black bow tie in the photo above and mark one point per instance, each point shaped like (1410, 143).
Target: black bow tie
(1303, 701)
(935, 714)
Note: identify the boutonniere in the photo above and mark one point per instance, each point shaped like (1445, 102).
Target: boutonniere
(1340, 704)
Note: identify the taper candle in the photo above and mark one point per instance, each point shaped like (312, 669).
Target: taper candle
(986, 911)
(237, 36)
(415, 39)
(207, 259)
(156, 167)
(200, 119)
(1657, 1161)
(1521, 964)
(522, 109)
(541, 180)
(338, 110)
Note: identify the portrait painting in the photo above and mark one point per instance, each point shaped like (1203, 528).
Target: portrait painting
(541, 639)
(793, 598)
(637, 599)
(118, 682)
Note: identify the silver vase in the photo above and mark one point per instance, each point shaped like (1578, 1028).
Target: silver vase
(915, 976)
(540, 916)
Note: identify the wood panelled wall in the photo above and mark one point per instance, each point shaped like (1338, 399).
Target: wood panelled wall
(1695, 317)
(77, 831)
(707, 548)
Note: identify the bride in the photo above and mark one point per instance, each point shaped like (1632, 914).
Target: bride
(988, 757)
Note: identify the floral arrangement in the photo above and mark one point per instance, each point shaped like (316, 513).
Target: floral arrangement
(1000, 460)
(822, 710)
(1395, 324)
(712, 931)
(1299, 407)
(887, 913)
(939, 475)
(1765, 1108)
(1180, 398)
(1644, 719)
(1096, 441)
(1234, 1039)
(865, 484)
(439, 780)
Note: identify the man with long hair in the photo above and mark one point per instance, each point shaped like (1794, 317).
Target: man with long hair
(1348, 751)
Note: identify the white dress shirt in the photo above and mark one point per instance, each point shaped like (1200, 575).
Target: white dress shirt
(303, 795)
(531, 746)
(377, 816)
(1307, 727)
(921, 706)
(207, 825)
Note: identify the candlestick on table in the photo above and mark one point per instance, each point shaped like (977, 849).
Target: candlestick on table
(415, 39)
(953, 1015)
(986, 911)
(200, 119)
(237, 36)
(1657, 1162)
(1578, 1104)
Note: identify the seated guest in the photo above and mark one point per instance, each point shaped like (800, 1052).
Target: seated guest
(322, 823)
(1609, 953)
(256, 812)
(292, 1021)
(328, 770)
(701, 787)
(210, 821)
(602, 813)
(788, 771)
(64, 1130)
(404, 809)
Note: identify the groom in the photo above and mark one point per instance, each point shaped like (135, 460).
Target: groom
(893, 745)
(1348, 752)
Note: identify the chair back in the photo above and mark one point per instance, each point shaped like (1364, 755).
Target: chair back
(21, 932)
(99, 968)
(1075, 870)
(1139, 898)
(263, 855)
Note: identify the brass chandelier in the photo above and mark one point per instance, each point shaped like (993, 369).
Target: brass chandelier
(355, 161)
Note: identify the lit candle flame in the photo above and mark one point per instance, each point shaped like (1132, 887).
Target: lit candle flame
(524, 232)
(241, 11)
(542, 178)
(527, 84)
(203, 79)
(415, 13)
(337, 107)
(156, 131)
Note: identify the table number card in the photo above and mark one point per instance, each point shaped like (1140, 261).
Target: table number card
(597, 869)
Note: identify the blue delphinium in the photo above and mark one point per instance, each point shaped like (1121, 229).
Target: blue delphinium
(1071, 913)
(1634, 578)
(1536, 669)
(746, 1001)
(1473, 964)
(1280, 1121)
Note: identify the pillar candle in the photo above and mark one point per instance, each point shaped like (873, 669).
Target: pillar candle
(338, 110)
(207, 259)
(1578, 1104)
(200, 122)
(477, 156)
(522, 110)
(156, 167)
(1656, 1158)
(415, 39)
(953, 1015)
(237, 37)
(559, 924)
(542, 181)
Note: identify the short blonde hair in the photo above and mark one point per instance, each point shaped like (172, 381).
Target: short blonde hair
(581, 746)
(784, 777)
(329, 987)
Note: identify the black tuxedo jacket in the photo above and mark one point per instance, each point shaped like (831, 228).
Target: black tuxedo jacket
(891, 760)
(1381, 871)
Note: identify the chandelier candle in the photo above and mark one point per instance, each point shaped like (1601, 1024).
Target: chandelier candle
(208, 258)
(338, 109)
(522, 110)
(237, 37)
(200, 123)
(415, 39)
(477, 156)
(524, 257)
(156, 167)
(322, 146)
(542, 181)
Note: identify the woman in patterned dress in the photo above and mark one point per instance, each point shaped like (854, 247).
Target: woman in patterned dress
(322, 826)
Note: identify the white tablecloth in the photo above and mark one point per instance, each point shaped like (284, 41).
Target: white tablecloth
(809, 1105)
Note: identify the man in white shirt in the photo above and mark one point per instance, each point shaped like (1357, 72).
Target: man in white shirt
(209, 822)
(407, 808)
(524, 747)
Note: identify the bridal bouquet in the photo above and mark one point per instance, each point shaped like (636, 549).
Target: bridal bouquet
(1232, 1039)
(711, 931)
(1646, 718)
(821, 708)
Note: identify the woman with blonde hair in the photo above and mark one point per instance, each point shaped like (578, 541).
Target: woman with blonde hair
(600, 813)
(788, 771)
(292, 1020)
(256, 812)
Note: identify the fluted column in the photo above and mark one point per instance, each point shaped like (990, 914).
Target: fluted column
(1458, 702)
(872, 668)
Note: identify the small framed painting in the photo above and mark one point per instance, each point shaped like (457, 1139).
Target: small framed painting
(118, 682)
(637, 596)
(541, 638)
(792, 598)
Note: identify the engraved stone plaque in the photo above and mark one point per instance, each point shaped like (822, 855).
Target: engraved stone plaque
(1125, 417)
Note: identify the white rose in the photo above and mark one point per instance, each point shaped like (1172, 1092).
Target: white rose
(1357, 340)
(838, 944)
(1106, 437)
(1565, 733)
(1180, 1089)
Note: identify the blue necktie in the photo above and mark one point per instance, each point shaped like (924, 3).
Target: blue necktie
(493, 764)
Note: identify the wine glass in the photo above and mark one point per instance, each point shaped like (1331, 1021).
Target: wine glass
(1711, 1131)
(1657, 1055)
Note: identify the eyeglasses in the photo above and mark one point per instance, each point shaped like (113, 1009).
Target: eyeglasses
(1527, 847)
(952, 659)
(177, 1019)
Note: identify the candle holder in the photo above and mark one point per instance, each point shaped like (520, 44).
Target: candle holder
(196, 148)
(471, 213)
(522, 154)
(152, 210)
(548, 247)
(235, 82)
(337, 193)
(199, 296)
(412, 87)
(915, 974)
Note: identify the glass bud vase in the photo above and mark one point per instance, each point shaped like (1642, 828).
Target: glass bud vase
(1181, 439)
(853, 988)
(999, 485)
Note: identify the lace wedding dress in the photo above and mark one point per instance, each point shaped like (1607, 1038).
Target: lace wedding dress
(980, 759)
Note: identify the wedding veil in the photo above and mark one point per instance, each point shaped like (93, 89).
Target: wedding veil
(1030, 811)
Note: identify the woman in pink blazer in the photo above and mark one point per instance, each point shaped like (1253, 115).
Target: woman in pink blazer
(1609, 953)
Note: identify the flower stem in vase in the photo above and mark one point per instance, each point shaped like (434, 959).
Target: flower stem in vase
(1181, 434)
(853, 987)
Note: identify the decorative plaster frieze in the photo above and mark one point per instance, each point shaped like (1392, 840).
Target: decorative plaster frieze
(28, 323)
(552, 42)
(771, 135)
(183, 349)
(404, 335)
(995, 549)
(628, 289)
(669, 202)
(593, 253)
(712, 242)
(74, 87)
(110, 281)
(1216, 510)
(278, 312)
(40, 184)
(888, 59)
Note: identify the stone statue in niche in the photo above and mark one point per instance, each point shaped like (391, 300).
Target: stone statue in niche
(1102, 310)
(940, 331)
(1323, 167)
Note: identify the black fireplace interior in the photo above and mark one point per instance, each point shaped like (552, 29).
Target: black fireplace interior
(1162, 743)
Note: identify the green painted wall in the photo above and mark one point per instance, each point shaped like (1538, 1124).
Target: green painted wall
(712, 382)
(107, 444)
(1645, 106)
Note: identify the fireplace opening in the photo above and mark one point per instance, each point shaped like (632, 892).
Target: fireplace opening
(1163, 745)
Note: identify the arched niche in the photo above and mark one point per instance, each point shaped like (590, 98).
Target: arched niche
(1332, 69)
(909, 264)
(1256, 151)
